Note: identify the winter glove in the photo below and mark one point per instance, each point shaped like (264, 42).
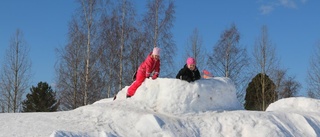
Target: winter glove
(147, 75)
(155, 76)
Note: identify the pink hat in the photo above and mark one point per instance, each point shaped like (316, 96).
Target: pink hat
(190, 61)
(156, 51)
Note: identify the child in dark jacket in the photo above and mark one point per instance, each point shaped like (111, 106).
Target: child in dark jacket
(189, 72)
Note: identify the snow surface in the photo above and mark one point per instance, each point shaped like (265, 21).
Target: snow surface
(172, 108)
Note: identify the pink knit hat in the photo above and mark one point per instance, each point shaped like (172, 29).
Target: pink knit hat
(156, 51)
(190, 61)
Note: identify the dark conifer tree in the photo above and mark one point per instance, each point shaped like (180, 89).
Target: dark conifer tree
(41, 99)
(254, 95)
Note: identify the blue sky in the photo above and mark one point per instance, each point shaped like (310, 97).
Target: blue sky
(293, 25)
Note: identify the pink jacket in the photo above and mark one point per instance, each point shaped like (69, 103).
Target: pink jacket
(149, 65)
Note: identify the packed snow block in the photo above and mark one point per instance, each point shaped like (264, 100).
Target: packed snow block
(177, 96)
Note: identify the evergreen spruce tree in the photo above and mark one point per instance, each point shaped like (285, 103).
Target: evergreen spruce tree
(41, 99)
(254, 95)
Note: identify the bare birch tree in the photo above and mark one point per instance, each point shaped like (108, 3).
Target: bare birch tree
(313, 77)
(230, 60)
(265, 61)
(116, 37)
(88, 17)
(69, 69)
(109, 40)
(16, 73)
(88, 7)
(127, 28)
(122, 38)
(80, 81)
(158, 23)
(195, 49)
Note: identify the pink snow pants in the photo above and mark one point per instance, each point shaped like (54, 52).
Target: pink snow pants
(140, 77)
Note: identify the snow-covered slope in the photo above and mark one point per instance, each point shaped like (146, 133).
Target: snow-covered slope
(172, 108)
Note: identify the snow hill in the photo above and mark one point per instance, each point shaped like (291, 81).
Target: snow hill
(172, 108)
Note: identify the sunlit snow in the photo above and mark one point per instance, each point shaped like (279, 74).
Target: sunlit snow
(168, 107)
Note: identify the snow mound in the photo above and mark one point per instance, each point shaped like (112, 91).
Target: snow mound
(295, 104)
(177, 96)
(140, 115)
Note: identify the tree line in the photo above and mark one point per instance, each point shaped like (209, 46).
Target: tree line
(107, 41)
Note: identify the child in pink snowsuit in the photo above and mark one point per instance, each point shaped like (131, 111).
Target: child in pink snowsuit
(151, 64)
